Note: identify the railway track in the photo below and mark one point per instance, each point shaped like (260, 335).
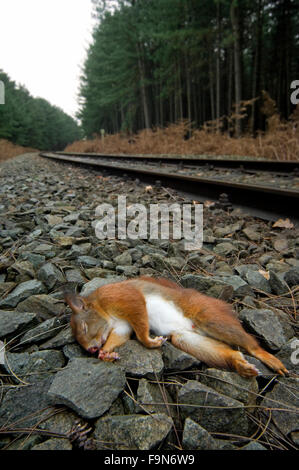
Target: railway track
(267, 189)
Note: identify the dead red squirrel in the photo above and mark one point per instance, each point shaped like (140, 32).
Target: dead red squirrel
(200, 325)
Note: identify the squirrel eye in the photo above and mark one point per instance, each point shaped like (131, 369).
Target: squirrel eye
(84, 327)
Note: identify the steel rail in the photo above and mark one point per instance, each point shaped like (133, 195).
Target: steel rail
(234, 162)
(264, 199)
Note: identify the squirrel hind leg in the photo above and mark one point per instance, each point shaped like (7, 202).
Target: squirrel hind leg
(271, 361)
(214, 353)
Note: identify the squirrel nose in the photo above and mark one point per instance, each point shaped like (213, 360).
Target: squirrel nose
(93, 350)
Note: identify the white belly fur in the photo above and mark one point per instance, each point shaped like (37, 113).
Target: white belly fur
(164, 316)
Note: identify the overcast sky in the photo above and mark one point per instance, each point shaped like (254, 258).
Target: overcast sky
(43, 44)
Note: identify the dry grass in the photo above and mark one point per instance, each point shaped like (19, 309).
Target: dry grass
(10, 150)
(280, 142)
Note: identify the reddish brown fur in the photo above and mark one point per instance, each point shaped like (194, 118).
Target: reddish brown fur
(216, 327)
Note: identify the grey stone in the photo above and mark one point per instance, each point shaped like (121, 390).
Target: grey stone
(125, 259)
(283, 402)
(151, 400)
(74, 232)
(25, 403)
(158, 261)
(97, 271)
(292, 277)
(45, 330)
(6, 288)
(251, 234)
(231, 384)
(74, 350)
(72, 218)
(33, 367)
(97, 282)
(64, 337)
(22, 292)
(272, 328)
(13, 322)
(221, 232)
(277, 266)
(50, 275)
(175, 359)
(214, 411)
(138, 361)
(248, 301)
(280, 244)
(293, 435)
(222, 267)
(176, 262)
(225, 249)
(289, 355)
(117, 408)
(195, 437)
(107, 264)
(45, 306)
(23, 267)
(257, 281)
(207, 284)
(87, 261)
(61, 423)
(35, 259)
(54, 444)
(74, 275)
(253, 446)
(45, 249)
(243, 269)
(24, 443)
(53, 219)
(133, 432)
(225, 445)
(128, 271)
(240, 287)
(79, 250)
(278, 286)
(265, 259)
(88, 386)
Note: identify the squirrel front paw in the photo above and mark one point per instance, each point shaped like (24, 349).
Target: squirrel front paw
(157, 342)
(108, 356)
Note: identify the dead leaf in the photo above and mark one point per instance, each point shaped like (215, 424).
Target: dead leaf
(280, 244)
(283, 223)
(266, 274)
(209, 204)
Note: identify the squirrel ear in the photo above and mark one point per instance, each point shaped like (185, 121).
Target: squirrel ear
(75, 302)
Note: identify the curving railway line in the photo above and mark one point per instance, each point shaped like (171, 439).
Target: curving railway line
(264, 188)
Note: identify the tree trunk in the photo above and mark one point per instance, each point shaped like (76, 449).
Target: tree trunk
(235, 20)
(218, 67)
(143, 89)
(256, 88)
(212, 100)
(188, 89)
(230, 81)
